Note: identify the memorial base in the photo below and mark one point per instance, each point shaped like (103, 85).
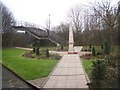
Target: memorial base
(72, 52)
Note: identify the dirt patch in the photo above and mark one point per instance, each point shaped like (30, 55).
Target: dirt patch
(86, 56)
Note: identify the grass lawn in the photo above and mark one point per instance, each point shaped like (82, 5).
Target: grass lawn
(87, 64)
(26, 68)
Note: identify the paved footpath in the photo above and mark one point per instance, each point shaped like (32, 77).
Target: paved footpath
(69, 73)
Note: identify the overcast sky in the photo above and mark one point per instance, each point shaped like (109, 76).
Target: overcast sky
(37, 11)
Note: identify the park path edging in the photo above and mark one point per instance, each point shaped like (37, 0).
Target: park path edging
(69, 73)
(34, 86)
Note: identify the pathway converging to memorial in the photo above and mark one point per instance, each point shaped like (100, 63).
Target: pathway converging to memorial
(69, 73)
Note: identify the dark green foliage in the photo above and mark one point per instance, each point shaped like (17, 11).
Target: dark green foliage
(33, 49)
(102, 46)
(36, 47)
(47, 53)
(61, 47)
(37, 51)
(106, 47)
(98, 53)
(112, 71)
(105, 73)
(33, 45)
(93, 51)
(98, 73)
(111, 77)
(43, 54)
(90, 46)
(98, 70)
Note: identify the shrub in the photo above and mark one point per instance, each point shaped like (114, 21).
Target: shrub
(93, 51)
(33, 49)
(36, 46)
(111, 78)
(85, 49)
(105, 73)
(47, 53)
(42, 55)
(106, 47)
(102, 46)
(98, 73)
(98, 53)
(86, 56)
(61, 47)
(37, 51)
(55, 56)
(28, 55)
(90, 46)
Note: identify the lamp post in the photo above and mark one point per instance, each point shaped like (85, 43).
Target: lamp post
(49, 21)
(49, 26)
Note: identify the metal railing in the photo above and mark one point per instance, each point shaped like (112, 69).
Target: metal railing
(28, 24)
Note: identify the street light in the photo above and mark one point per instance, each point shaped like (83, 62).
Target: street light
(48, 30)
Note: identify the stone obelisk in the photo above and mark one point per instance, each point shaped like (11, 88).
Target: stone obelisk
(71, 39)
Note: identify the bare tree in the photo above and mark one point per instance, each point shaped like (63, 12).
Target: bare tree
(109, 15)
(118, 11)
(63, 31)
(7, 22)
(76, 14)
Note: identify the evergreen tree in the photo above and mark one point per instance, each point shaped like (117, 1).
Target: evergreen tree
(102, 46)
(106, 47)
(61, 47)
(93, 51)
(90, 46)
(47, 53)
(33, 45)
(98, 73)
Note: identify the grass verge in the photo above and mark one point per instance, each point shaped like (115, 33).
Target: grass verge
(114, 48)
(26, 68)
(87, 64)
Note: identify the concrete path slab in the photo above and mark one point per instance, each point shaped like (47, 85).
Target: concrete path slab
(69, 73)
